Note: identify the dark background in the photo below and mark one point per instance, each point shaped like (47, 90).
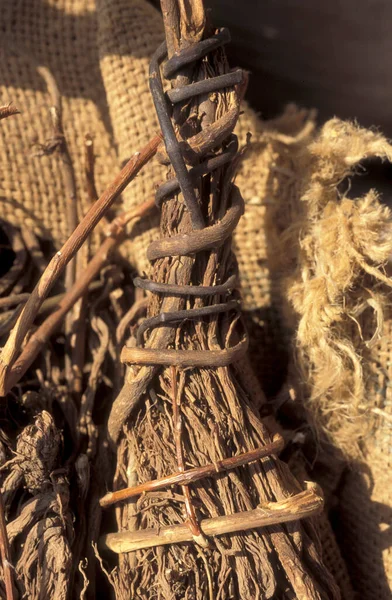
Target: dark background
(335, 56)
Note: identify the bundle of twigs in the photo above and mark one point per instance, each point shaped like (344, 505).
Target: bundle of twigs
(189, 407)
(53, 457)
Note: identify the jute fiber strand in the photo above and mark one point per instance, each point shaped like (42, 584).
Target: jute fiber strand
(333, 253)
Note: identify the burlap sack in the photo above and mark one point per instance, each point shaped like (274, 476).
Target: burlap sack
(365, 509)
(332, 252)
(61, 36)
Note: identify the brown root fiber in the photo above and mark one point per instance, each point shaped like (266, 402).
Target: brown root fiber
(41, 532)
(216, 416)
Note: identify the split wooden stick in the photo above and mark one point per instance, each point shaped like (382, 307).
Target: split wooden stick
(67, 252)
(303, 505)
(192, 475)
(184, 358)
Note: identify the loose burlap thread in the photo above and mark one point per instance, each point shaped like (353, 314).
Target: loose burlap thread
(332, 252)
(99, 56)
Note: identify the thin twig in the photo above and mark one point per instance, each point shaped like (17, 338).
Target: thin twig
(32, 244)
(67, 252)
(60, 146)
(47, 304)
(303, 505)
(43, 333)
(192, 475)
(89, 175)
(209, 237)
(76, 321)
(8, 110)
(208, 573)
(77, 316)
(119, 224)
(187, 290)
(137, 307)
(177, 316)
(13, 300)
(89, 168)
(184, 358)
(192, 521)
(6, 555)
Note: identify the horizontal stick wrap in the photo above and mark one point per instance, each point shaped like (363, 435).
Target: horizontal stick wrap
(305, 504)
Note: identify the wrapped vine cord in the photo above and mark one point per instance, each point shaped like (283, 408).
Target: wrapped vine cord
(185, 404)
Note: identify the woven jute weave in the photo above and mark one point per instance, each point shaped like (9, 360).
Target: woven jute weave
(366, 489)
(62, 37)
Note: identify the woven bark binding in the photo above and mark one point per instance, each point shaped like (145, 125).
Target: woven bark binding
(180, 416)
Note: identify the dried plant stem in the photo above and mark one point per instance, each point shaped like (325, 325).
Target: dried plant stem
(77, 317)
(89, 168)
(137, 308)
(192, 521)
(60, 145)
(13, 300)
(67, 252)
(5, 554)
(170, 14)
(192, 475)
(74, 331)
(184, 358)
(8, 110)
(43, 333)
(49, 326)
(305, 504)
(46, 306)
(56, 114)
